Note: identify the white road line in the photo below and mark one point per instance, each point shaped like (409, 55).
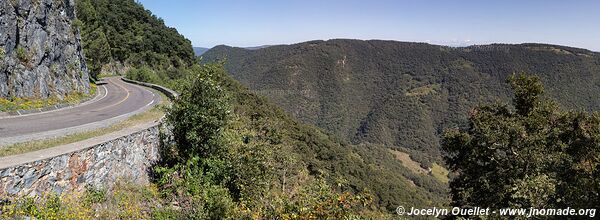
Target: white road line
(149, 103)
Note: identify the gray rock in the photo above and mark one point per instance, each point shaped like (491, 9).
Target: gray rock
(40, 51)
(29, 177)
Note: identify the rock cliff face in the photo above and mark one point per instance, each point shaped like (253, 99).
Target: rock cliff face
(40, 50)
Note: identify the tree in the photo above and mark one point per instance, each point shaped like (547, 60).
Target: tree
(199, 116)
(97, 52)
(94, 41)
(530, 154)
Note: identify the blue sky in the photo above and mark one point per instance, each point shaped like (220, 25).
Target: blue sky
(251, 23)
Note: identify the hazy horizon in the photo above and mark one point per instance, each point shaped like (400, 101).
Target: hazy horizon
(462, 23)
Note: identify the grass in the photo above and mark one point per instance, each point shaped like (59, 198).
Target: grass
(22, 55)
(14, 104)
(440, 173)
(104, 75)
(424, 90)
(153, 114)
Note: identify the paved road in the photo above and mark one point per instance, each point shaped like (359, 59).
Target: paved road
(115, 100)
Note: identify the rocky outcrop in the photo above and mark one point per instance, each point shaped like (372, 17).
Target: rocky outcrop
(40, 50)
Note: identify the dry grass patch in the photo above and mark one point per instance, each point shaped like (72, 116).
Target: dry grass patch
(125, 201)
(408, 162)
(440, 173)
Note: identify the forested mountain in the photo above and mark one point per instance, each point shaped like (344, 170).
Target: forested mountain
(123, 33)
(403, 95)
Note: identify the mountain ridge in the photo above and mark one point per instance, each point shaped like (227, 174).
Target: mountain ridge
(424, 43)
(198, 51)
(404, 94)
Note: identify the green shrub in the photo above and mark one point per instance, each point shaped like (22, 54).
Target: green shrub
(76, 25)
(22, 55)
(143, 74)
(94, 195)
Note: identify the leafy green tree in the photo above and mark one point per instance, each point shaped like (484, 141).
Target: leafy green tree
(530, 154)
(223, 158)
(94, 41)
(97, 52)
(199, 116)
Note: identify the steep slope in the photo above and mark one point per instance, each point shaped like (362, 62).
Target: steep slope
(404, 94)
(40, 52)
(369, 168)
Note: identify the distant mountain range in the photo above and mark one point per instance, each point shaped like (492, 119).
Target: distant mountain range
(403, 95)
(199, 51)
(257, 47)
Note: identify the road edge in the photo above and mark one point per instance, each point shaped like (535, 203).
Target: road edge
(48, 153)
(19, 113)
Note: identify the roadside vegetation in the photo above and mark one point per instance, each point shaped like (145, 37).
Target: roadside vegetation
(15, 103)
(124, 201)
(117, 31)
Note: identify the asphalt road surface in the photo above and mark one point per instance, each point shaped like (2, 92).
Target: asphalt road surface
(115, 99)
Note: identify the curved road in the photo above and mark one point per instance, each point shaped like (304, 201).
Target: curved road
(116, 100)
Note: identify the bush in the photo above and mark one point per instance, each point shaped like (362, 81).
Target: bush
(22, 55)
(143, 74)
(200, 115)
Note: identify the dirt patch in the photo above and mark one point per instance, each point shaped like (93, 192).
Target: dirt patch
(409, 163)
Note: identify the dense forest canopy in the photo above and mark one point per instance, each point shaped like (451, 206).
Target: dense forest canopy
(403, 95)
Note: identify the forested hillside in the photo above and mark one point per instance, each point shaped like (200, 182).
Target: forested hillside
(119, 33)
(403, 95)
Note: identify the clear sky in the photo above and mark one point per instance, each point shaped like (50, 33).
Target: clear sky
(266, 22)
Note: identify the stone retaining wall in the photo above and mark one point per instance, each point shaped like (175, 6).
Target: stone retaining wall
(128, 157)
